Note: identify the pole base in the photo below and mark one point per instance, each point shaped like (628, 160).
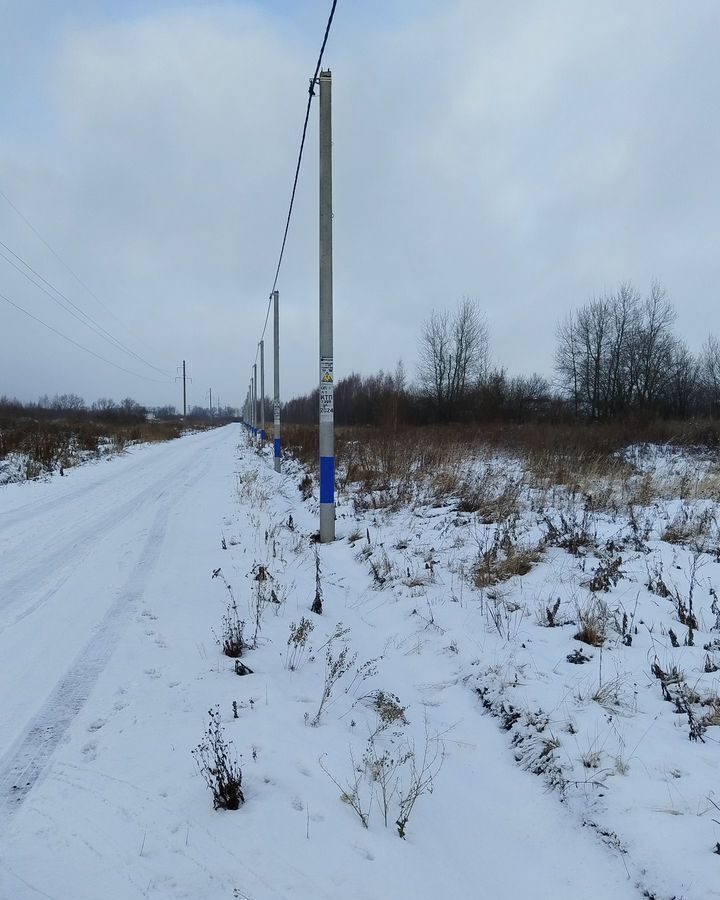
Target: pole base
(327, 523)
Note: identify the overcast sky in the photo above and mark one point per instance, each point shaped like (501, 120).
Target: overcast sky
(526, 154)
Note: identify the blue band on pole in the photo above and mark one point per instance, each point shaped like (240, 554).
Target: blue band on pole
(263, 435)
(327, 479)
(278, 445)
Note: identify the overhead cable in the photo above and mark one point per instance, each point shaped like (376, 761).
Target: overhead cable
(311, 94)
(79, 281)
(76, 343)
(79, 314)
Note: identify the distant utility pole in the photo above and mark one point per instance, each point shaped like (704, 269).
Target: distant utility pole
(262, 391)
(184, 391)
(276, 375)
(184, 379)
(211, 406)
(327, 402)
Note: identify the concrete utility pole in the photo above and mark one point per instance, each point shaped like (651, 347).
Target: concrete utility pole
(327, 402)
(276, 375)
(250, 402)
(262, 391)
(254, 382)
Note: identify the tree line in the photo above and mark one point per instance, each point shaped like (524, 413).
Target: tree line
(615, 356)
(127, 411)
(618, 354)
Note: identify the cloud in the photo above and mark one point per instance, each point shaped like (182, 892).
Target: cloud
(526, 155)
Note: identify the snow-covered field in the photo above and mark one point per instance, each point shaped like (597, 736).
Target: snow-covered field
(547, 767)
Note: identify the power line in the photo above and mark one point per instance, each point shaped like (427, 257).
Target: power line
(311, 94)
(79, 281)
(76, 343)
(91, 323)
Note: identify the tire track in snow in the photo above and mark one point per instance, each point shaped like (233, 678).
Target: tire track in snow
(135, 471)
(58, 563)
(79, 516)
(27, 761)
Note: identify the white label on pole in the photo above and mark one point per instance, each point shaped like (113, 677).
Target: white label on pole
(326, 370)
(327, 405)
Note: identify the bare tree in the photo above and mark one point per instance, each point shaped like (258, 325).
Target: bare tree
(586, 356)
(710, 373)
(682, 381)
(453, 356)
(104, 405)
(68, 403)
(653, 346)
(616, 352)
(567, 357)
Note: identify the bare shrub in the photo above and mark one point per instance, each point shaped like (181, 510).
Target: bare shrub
(335, 668)
(549, 615)
(317, 604)
(420, 779)
(231, 638)
(297, 644)
(382, 768)
(219, 766)
(232, 627)
(571, 532)
(390, 774)
(673, 675)
(388, 709)
(306, 487)
(606, 575)
(262, 593)
(655, 583)
(354, 791)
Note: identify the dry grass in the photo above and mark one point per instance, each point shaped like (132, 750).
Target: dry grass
(493, 496)
(392, 467)
(690, 526)
(49, 445)
(495, 566)
(593, 622)
(712, 717)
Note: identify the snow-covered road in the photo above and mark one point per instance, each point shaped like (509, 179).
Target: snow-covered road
(75, 557)
(108, 667)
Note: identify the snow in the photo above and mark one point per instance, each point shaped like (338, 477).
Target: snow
(109, 668)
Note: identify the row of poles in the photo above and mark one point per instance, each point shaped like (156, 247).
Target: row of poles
(254, 418)
(254, 422)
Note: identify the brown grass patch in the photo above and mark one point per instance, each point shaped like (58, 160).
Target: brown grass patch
(495, 566)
